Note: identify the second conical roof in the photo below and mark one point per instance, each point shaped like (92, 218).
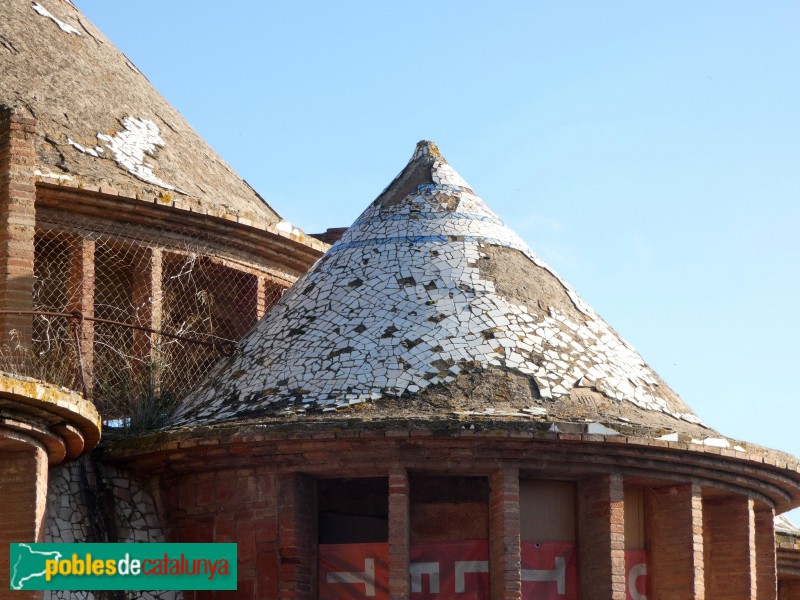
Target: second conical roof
(99, 121)
(430, 304)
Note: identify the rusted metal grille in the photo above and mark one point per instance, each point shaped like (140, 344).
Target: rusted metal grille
(140, 315)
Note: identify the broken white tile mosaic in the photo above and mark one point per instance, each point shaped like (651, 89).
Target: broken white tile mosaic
(287, 227)
(713, 442)
(129, 147)
(139, 137)
(132, 67)
(96, 151)
(785, 526)
(51, 175)
(400, 304)
(65, 27)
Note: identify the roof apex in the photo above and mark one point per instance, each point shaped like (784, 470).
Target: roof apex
(426, 148)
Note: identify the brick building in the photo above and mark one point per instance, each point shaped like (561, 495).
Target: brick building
(131, 256)
(428, 411)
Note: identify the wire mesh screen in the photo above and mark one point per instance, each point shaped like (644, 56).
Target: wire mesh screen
(200, 302)
(139, 315)
(53, 355)
(121, 358)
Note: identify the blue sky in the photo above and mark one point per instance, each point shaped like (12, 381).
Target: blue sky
(647, 151)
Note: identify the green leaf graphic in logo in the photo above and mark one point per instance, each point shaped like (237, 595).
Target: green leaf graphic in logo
(28, 564)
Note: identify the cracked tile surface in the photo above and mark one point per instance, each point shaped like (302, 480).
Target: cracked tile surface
(402, 304)
(138, 138)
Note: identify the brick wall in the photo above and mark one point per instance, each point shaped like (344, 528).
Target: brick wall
(23, 489)
(399, 526)
(505, 562)
(297, 548)
(251, 494)
(674, 522)
(729, 548)
(17, 220)
(765, 552)
(238, 505)
(789, 590)
(601, 538)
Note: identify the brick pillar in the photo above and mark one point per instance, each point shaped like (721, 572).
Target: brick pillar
(23, 489)
(766, 568)
(80, 297)
(789, 590)
(17, 222)
(261, 297)
(147, 298)
(269, 292)
(601, 538)
(297, 537)
(399, 527)
(729, 548)
(675, 543)
(244, 304)
(505, 562)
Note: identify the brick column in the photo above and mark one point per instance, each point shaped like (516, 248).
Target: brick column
(297, 538)
(23, 488)
(80, 297)
(399, 527)
(505, 562)
(789, 590)
(245, 303)
(17, 222)
(766, 568)
(147, 297)
(269, 292)
(261, 297)
(729, 548)
(601, 538)
(674, 517)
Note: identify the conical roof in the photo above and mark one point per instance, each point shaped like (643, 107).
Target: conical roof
(101, 123)
(431, 305)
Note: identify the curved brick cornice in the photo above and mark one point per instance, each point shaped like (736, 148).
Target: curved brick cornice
(351, 449)
(788, 557)
(286, 254)
(60, 420)
(787, 545)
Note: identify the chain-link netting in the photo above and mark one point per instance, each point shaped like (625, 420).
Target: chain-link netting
(135, 314)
